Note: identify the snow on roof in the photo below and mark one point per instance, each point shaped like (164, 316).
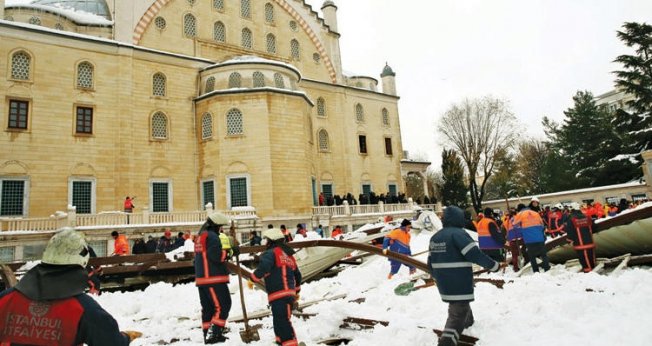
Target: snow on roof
(251, 59)
(79, 17)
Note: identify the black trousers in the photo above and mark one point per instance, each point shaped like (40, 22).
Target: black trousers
(215, 305)
(460, 317)
(281, 313)
(535, 250)
(587, 259)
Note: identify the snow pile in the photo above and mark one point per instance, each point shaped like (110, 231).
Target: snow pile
(554, 308)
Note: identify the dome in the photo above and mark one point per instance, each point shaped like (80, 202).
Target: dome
(387, 71)
(96, 7)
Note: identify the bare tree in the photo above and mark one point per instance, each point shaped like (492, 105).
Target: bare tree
(477, 130)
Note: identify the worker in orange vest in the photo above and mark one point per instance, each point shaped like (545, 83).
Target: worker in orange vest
(120, 244)
(490, 240)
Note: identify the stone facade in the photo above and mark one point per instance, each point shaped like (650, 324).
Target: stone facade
(157, 115)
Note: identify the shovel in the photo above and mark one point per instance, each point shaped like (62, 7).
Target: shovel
(248, 334)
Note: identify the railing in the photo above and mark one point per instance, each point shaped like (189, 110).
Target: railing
(347, 210)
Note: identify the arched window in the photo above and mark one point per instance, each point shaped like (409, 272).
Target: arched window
(158, 84)
(259, 80)
(219, 32)
(359, 113)
(385, 117)
(160, 23)
(218, 5)
(159, 126)
(278, 81)
(323, 140)
(271, 43)
(294, 49)
(207, 126)
(234, 124)
(235, 80)
(210, 84)
(85, 75)
(245, 9)
(316, 57)
(269, 13)
(35, 20)
(247, 41)
(189, 25)
(20, 66)
(321, 107)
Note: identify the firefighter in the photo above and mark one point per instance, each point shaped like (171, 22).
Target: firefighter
(555, 222)
(579, 229)
(49, 307)
(212, 250)
(490, 239)
(282, 283)
(398, 241)
(452, 252)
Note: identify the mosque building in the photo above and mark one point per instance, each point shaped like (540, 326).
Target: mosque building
(185, 102)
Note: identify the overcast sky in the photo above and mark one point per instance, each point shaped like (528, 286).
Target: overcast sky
(534, 53)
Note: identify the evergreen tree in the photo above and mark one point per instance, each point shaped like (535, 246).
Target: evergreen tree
(531, 162)
(502, 183)
(453, 190)
(635, 122)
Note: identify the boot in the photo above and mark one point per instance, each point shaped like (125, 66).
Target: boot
(214, 335)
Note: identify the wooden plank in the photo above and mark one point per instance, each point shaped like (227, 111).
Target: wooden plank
(264, 313)
(622, 265)
(464, 339)
(357, 323)
(97, 261)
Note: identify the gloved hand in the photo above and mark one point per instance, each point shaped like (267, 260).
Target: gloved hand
(295, 305)
(250, 284)
(385, 251)
(236, 250)
(132, 334)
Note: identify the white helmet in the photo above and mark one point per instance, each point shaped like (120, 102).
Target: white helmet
(273, 234)
(535, 199)
(66, 247)
(219, 219)
(558, 206)
(574, 206)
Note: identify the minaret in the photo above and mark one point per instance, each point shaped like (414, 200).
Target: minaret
(389, 80)
(330, 14)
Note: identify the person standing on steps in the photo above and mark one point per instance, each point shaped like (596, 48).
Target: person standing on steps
(452, 253)
(398, 241)
(212, 277)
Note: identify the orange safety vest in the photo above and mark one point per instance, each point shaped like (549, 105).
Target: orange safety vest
(486, 241)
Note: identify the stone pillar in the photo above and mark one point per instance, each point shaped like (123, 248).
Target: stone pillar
(347, 208)
(146, 215)
(72, 216)
(381, 207)
(209, 208)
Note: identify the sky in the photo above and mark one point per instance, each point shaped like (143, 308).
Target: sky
(598, 309)
(537, 54)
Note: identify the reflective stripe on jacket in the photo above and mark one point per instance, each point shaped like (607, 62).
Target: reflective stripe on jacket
(485, 240)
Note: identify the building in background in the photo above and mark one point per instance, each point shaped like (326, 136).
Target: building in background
(185, 102)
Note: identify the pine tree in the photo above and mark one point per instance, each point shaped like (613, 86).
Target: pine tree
(453, 190)
(635, 122)
(503, 182)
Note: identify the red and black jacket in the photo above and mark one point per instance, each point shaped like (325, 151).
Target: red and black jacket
(210, 260)
(280, 271)
(579, 229)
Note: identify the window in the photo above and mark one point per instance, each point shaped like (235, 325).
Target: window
(639, 197)
(219, 32)
(269, 13)
(321, 107)
(362, 140)
(316, 57)
(99, 246)
(191, 2)
(235, 80)
(392, 189)
(20, 66)
(323, 140)
(388, 146)
(81, 195)
(84, 120)
(259, 80)
(385, 115)
(327, 189)
(234, 123)
(278, 81)
(159, 126)
(208, 193)
(18, 114)
(271, 43)
(160, 23)
(85, 75)
(7, 254)
(359, 113)
(13, 196)
(35, 20)
(33, 252)
(246, 39)
(245, 9)
(218, 5)
(189, 25)
(238, 192)
(59, 26)
(207, 126)
(160, 198)
(158, 84)
(210, 84)
(293, 26)
(366, 190)
(294, 49)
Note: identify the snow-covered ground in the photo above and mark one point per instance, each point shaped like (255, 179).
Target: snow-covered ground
(560, 307)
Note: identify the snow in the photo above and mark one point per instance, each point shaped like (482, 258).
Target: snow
(80, 17)
(560, 307)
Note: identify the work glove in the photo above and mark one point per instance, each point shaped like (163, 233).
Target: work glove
(295, 305)
(385, 251)
(236, 250)
(132, 334)
(250, 284)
